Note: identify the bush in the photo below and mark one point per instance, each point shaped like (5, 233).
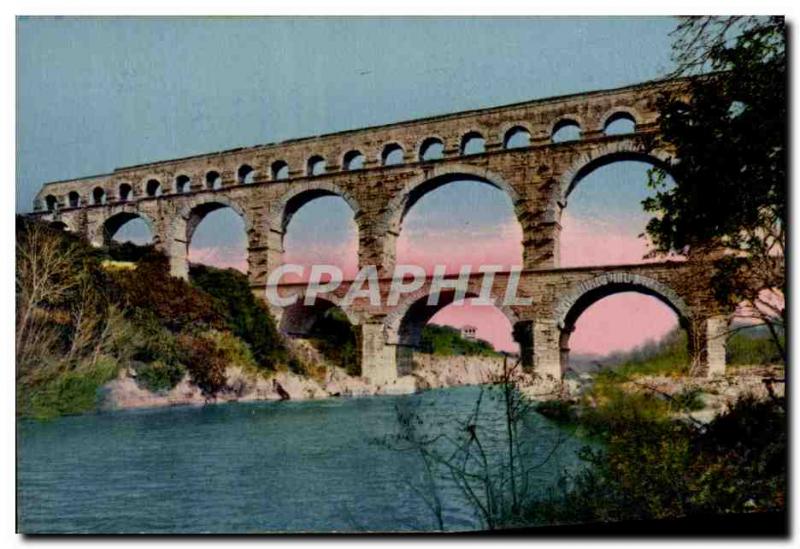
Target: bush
(150, 292)
(205, 361)
(157, 376)
(335, 339)
(71, 392)
(447, 341)
(243, 314)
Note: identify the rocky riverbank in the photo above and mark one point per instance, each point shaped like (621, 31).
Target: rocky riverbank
(429, 372)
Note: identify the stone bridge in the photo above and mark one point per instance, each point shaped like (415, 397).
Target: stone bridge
(381, 172)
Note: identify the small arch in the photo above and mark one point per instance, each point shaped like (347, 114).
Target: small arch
(153, 187)
(316, 165)
(51, 202)
(125, 192)
(432, 148)
(245, 174)
(213, 180)
(99, 196)
(565, 129)
(74, 199)
(59, 226)
(279, 170)
(353, 160)
(392, 155)
(619, 123)
(517, 137)
(183, 184)
(472, 143)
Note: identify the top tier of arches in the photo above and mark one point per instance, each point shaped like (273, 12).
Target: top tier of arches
(535, 124)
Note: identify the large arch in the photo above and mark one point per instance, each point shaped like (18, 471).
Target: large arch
(298, 318)
(296, 198)
(105, 232)
(404, 324)
(186, 222)
(435, 177)
(572, 305)
(608, 153)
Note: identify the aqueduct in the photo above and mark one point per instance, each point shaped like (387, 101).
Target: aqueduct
(381, 172)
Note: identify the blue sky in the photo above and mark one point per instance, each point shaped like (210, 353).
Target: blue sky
(97, 93)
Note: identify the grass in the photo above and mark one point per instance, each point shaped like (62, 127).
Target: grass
(73, 392)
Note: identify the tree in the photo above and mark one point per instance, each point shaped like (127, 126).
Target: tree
(729, 135)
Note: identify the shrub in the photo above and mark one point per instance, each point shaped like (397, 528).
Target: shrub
(205, 362)
(149, 291)
(158, 376)
(72, 392)
(244, 315)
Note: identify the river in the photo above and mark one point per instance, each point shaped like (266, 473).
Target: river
(313, 466)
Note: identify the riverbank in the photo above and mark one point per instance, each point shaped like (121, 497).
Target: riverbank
(243, 385)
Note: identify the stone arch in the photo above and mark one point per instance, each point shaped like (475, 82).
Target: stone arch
(469, 137)
(606, 154)
(416, 303)
(279, 170)
(350, 157)
(298, 197)
(425, 143)
(316, 165)
(153, 187)
(74, 199)
(99, 196)
(298, 319)
(194, 212)
(387, 150)
(564, 121)
(105, 232)
(417, 187)
(183, 184)
(588, 292)
(617, 113)
(125, 192)
(212, 179)
(403, 326)
(508, 131)
(186, 222)
(245, 174)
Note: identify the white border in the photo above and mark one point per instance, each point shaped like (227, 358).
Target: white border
(305, 7)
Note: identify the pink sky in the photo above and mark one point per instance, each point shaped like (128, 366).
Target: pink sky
(619, 322)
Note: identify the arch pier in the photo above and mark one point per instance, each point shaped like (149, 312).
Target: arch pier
(381, 172)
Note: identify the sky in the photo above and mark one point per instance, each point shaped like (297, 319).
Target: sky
(98, 93)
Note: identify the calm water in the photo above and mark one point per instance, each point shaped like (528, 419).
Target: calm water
(256, 467)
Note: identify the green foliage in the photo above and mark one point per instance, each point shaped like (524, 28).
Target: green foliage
(149, 291)
(335, 338)
(650, 468)
(447, 341)
(668, 356)
(244, 315)
(158, 376)
(127, 251)
(748, 347)
(72, 392)
(729, 138)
